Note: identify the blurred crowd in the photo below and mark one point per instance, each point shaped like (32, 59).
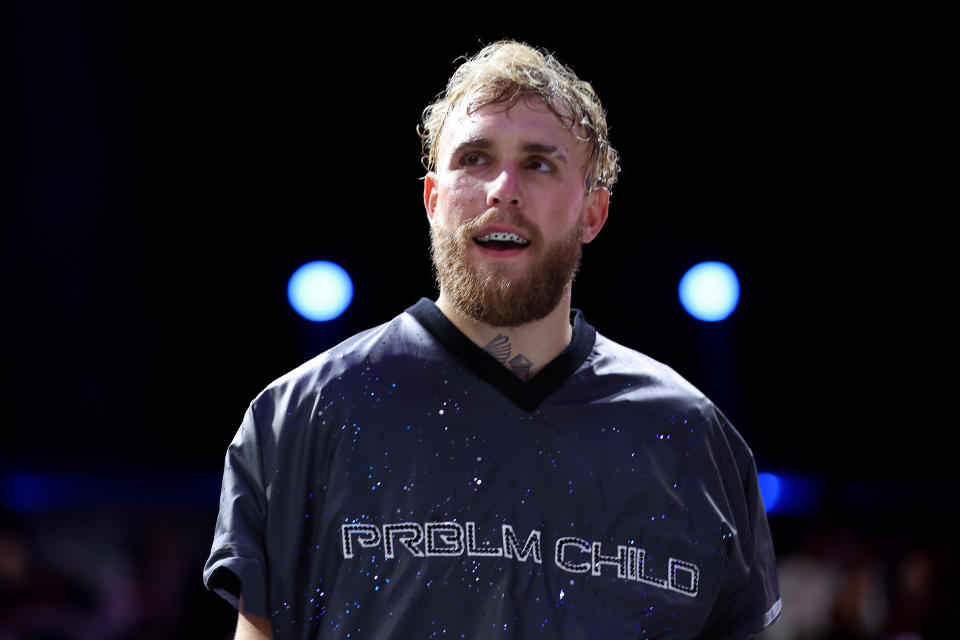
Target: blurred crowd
(868, 581)
(129, 576)
(108, 576)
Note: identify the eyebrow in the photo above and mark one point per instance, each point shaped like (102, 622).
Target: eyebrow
(526, 147)
(471, 143)
(546, 149)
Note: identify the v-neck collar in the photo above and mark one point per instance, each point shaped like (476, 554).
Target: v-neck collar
(527, 395)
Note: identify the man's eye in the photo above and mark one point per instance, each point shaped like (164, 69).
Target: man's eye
(472, 159)
(539, 165)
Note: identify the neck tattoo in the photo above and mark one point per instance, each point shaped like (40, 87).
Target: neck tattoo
(500, 347)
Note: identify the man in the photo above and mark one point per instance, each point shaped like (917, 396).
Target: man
(489, 465)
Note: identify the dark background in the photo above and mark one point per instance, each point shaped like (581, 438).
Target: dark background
(174, 165)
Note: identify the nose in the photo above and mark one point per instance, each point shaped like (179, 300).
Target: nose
(505, 190)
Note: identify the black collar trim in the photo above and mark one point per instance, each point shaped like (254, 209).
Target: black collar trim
(526, 395)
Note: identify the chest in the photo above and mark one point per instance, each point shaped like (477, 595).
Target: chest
(567, 512)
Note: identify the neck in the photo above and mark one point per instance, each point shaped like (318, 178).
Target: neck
(525, 349)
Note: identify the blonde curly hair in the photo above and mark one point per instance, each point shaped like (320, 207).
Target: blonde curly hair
(505, 72)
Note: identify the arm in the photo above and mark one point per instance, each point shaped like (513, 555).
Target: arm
(236, 567)
(749, 597)
(253, 628)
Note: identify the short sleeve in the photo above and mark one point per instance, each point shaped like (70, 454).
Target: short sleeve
(749, 597)
(237, 559)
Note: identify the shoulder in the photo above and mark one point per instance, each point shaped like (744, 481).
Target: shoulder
(625, 375)
(389, 344)
(619, 364)
(621, 359)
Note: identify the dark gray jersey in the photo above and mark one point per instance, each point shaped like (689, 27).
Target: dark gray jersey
(405, 484)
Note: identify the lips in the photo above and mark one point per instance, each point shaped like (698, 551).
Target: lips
(501, 238)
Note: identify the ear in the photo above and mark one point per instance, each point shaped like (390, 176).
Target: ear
(595, 213)
(430, 194)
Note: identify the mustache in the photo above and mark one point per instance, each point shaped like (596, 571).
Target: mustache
(494, 215)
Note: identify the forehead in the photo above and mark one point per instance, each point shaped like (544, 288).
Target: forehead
(530, 120)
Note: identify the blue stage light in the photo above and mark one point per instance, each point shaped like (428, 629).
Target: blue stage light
(770, 490)
(320, 290)
(791, 494)
(709, 291)
(79, 491)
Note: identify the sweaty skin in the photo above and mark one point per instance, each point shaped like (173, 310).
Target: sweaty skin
(253, 628)
(522, 169)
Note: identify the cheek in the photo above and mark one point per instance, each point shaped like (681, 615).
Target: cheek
(461, 192)
(568, 205)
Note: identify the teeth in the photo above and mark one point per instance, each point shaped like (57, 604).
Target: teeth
(503, 236)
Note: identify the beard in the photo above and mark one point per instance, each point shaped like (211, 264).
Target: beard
(491, 295)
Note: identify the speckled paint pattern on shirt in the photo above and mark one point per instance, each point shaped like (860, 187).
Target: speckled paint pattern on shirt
(386, 489)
